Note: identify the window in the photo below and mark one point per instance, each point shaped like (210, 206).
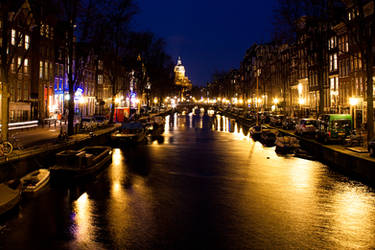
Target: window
(51, 32)
(26, 65)
(27, 42)
(100, 79)
(42, 27)
(335, 61)
(47, 31)
(13, 66)
(20, 37)
(45, 70)
(330, 62)
(19, 61)
(40, 69)
(50, 70)
(13, 38)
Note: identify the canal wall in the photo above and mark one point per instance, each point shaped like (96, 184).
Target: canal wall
(19, 163)
(357, 165)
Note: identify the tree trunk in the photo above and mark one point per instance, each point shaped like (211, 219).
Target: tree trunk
(112, 113)
(71, 112)
(4, 111)
(370, 98)
(70, 80)
(321, 92)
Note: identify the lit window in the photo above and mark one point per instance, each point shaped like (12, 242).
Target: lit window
(19, 61)
(45, 70)
(20, 37)
(47, 31)
(100, 79)
(26, 65)
(335, 61)
(13, 39)
(40, 69)
(42, 30)
(27, 42)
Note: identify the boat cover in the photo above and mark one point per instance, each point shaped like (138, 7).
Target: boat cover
(133, 125)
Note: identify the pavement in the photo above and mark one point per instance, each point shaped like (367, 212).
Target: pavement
(37, 140)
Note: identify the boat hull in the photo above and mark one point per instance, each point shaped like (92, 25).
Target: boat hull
(61, 173)
(43, 179)
(9, 198)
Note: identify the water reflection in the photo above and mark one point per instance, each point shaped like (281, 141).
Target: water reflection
(208, 185)
(83, 218)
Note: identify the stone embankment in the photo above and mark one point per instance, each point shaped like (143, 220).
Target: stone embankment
(359, 165)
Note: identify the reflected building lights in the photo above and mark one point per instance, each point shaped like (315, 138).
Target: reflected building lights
(83, 219)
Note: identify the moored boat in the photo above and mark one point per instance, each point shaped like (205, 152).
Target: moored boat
(256, 131)
(10, 195)
(76, 164)
(268, 137)
(35, 181)
(132, 132)
(158, 125)
(286, 144)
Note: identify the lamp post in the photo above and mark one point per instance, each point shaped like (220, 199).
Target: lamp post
(353, 101)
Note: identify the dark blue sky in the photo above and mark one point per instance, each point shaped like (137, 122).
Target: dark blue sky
(207, 34)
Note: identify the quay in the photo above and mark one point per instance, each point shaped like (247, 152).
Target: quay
(359, 165)
(40, 153)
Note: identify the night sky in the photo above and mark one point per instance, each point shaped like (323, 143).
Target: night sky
(209, 35)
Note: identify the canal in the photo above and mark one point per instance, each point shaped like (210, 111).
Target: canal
(204, 185)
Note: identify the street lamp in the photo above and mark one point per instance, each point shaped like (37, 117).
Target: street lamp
(353, 101)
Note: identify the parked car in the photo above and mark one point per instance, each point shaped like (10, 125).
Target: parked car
(277, 120)
(88, 123)
(289, 123)
(101, 120)
(306, 126)
(334, 127)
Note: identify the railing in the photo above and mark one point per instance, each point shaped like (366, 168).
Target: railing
(22, 125)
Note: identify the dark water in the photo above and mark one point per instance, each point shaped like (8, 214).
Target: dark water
(204, 186)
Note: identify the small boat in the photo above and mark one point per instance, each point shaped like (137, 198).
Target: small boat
(268, 137)
(158, 125)
(256, 131)
(286, 144)
(76, 164)
(10, 195)
(132, 132)
(35, 180)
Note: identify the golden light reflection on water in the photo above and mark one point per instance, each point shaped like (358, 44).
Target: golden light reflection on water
(342, 217)
(353, 218)
(82, 209)
(118, 202)
(166, 127)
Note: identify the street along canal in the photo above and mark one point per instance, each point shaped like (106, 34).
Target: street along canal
(205, 184)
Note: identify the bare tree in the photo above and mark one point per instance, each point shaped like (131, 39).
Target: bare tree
(16, 25)
(79, 18)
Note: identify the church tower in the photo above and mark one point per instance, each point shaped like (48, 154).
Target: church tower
(180, 78)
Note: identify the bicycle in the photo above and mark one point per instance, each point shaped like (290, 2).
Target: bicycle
(6, 148)
(15, 142)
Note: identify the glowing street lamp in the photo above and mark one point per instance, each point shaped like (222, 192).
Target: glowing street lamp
(353, 101)
(301, 101)
(275, 101)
